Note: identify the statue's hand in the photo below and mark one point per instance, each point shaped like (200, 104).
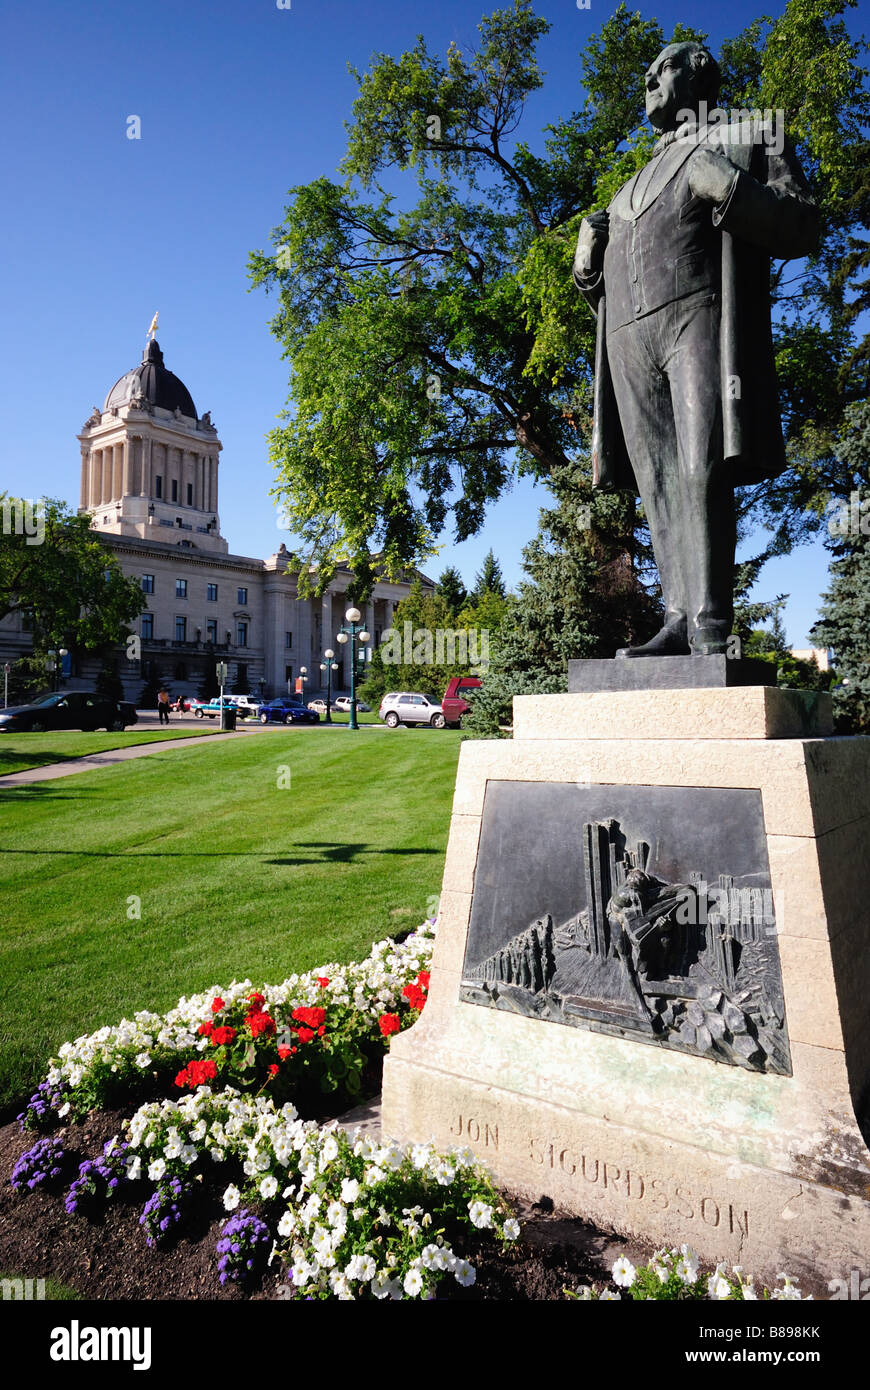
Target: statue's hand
(591, 244)
(711, 176)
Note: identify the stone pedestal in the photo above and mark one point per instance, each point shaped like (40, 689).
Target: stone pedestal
(748, 1146)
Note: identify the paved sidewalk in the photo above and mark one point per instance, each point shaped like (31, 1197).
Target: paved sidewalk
(106, 759)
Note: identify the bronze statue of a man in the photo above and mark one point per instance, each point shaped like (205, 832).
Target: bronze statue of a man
(677, 271)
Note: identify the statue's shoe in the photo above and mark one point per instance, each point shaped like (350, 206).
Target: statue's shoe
(711, 640)
(670, 641)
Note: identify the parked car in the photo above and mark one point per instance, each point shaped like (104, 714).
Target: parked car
(287, 711)
(212, 708)
(71, 709)
(411, 708)
(452, 702)
(343, 703)
(318, 705)
(247, 704)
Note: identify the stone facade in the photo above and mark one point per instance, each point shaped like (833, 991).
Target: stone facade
(149, 479)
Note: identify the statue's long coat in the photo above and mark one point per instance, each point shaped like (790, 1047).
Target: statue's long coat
(768, 213)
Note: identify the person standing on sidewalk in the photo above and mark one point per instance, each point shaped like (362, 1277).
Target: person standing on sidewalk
(163, 706)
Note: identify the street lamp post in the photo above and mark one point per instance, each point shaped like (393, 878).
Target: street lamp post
(329, 666)
(354, 631)
(54, 661)
(303, 677)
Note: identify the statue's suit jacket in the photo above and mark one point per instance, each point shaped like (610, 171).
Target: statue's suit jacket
(767, 213)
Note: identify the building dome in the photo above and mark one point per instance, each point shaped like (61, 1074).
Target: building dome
(153, 381)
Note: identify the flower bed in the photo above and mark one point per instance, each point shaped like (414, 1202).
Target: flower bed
(336, 1216)
(314, 1035)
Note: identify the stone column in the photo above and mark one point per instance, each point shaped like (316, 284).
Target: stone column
(84, 494)
(127, 470)
(327, 636)
(117, 469)
(145, 470)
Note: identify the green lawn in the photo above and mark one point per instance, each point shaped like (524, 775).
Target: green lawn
(21, 751)
(235, 874)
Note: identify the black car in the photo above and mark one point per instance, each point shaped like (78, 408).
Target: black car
(70, 709)
(285, 711)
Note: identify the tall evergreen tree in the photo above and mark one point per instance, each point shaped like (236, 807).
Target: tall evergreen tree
(844, 624)
(489, 579)
(582, 598)
(452, 589)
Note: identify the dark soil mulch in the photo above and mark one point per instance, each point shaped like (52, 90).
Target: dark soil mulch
(107, 1258)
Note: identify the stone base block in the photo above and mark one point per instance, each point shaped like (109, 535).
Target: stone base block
(608, 1107)
(641, 1186)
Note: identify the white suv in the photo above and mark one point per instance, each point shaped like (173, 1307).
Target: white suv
(246, 704)
(403, 708)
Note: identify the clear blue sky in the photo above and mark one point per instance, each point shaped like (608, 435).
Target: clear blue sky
(238, 101)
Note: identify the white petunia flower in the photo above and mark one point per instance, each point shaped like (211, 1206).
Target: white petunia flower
(480, 1214)
(156, 1169)
(623, 1272)
(608, 1296)
(464, 1273)
(232, 1197)
(350, 1190)
(511, 1228)
(413, 1283)
(268, 1187)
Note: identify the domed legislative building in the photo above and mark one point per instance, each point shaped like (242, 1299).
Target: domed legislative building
(150, 480)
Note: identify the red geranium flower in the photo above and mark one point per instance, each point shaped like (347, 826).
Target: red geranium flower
(205, 1030)
(423, 979)
(217, 1005)
(273, 1069)
(181, 1078)
(312, 1018)
(306, 1034)
(260, 1023)
(196, 1073)
(284, 1052)
(222, 1035)
(414, 995)
(323, 981)
(389, 1023)
(258, 1000)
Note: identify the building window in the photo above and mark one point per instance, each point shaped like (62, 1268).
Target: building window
(148, 583)
(174, 497)
(181, 588)
(147, 626)
(211, 630)
(241, 634)
(241, 595)
(181, 629)
(158, 485)
(190, 494)
(288, 639)
(211, 592)
(288, 673)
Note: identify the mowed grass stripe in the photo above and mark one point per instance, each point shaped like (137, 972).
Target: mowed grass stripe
(236, 876)
(20, 752)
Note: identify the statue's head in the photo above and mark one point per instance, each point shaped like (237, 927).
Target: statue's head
(683, 75)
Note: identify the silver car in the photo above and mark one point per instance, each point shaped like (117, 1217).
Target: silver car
(411, 708)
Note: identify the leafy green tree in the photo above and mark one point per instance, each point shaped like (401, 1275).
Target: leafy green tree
(70, 586)
(490, 579)
(438, 348)
(452, 589)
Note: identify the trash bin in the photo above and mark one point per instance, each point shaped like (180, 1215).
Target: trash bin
(228, 717)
